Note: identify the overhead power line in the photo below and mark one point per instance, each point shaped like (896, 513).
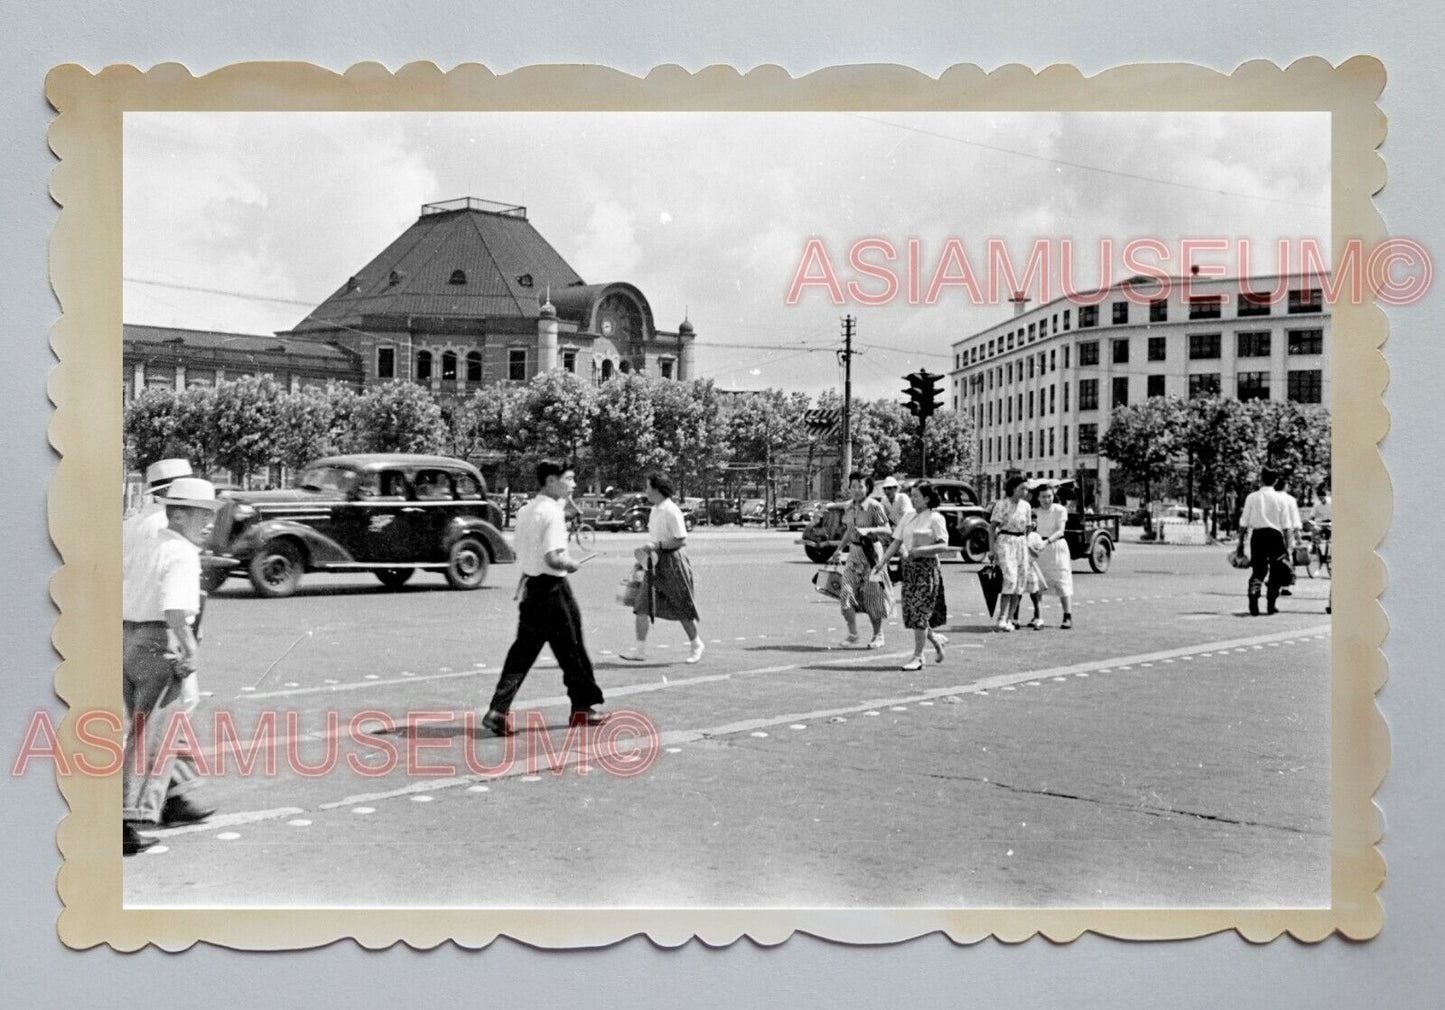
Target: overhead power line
(1137, 177)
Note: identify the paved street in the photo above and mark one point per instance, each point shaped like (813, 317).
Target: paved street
(1170, 750)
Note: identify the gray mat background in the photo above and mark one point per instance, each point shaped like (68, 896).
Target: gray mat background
(1400, 968)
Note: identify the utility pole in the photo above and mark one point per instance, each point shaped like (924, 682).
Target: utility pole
(846, 357)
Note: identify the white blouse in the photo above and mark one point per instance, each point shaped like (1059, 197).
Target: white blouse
(929, 522)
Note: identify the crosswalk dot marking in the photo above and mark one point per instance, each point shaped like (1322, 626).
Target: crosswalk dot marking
(531, 778)
(1060, 678)
(363, 810)
(422, 799)
(898, 708)
(479, 789)
(298, 822)
(797, 725)
(870, 713)
(228, 836)
(673, 750)
(757, 733)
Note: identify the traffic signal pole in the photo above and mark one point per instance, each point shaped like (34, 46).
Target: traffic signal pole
(846, 356)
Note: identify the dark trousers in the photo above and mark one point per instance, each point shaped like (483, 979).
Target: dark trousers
(548, 615)
(1268, 567)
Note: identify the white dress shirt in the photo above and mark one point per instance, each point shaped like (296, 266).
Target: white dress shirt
(160, 573)
(541, 529)
(1265, 508)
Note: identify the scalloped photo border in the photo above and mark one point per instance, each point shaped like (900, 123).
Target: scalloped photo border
(85, 270)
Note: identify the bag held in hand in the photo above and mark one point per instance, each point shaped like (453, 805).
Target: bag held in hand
(630, 588)
(829, 580)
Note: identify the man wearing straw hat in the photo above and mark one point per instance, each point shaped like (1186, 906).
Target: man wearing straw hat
(160, 595)
(151, 518)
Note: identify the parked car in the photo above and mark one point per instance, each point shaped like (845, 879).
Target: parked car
(390, 514)
(1091, 535)
(1177, 514)
(966, 519)
(753, 510)
(967, 522)
(692, 510)
(630, 512)
(801, 515)
(719, 512)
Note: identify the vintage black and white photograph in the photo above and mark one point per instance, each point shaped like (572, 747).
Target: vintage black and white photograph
(877, 509)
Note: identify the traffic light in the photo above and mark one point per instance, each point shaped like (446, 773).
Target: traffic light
(924, 394)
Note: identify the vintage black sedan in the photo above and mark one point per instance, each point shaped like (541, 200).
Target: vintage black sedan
(390, 514)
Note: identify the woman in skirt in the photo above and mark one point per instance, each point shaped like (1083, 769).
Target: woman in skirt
(921, 537)
(1054, 560)
(1008, 527)
(667, 589)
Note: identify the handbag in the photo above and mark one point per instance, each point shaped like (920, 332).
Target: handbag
(828, 580)
(630, 588)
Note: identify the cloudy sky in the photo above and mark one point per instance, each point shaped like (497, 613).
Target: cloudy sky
(245, 221)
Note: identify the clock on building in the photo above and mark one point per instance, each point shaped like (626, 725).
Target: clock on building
(608, 326)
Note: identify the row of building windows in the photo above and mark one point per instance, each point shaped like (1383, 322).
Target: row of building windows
(1202, 347)
(1248, 304)
(1302, 386)
(426, 364)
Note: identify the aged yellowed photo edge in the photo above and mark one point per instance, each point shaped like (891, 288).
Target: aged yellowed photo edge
(85, 262)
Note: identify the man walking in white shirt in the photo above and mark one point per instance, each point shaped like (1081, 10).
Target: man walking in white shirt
(1264, 520)
(548, 613)
(160, 597)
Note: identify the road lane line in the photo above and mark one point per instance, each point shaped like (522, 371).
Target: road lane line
(224, 821)
(1005, 681)
(329, 688)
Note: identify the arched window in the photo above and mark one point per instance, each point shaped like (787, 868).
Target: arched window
(474, 366)
(458, 277)
(449, 366)
(423, 366)
(606, 369)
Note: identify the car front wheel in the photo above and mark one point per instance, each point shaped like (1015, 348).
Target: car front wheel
(1101, 552)
(467, 564)
(637, 525)
(276, 569)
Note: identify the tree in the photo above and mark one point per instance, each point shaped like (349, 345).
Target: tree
(555, 416)
(398, 417)
(625, 445)
(1294, 439)
(687, 420)
(488, 420)
(1222, 448)
(1144, 441)
(950, 443)
(878, 432)
(245, 420)
(309, 425)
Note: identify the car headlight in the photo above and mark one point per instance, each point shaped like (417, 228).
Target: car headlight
(243, 512)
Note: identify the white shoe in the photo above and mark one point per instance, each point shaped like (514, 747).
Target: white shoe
(851, 642)
(876, 642)
(695, 653)
(916, 663)
(633, 655)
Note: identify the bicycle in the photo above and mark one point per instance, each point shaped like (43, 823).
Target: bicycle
(581, 532)
(1319, 556)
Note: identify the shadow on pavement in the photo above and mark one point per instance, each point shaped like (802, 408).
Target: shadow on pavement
(796, 648)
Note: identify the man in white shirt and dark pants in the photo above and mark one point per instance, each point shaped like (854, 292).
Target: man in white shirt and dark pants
(1265, 519)
(160, 597)
(548, 613)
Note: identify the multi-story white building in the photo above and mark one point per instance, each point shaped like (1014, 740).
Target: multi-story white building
(1040, 386)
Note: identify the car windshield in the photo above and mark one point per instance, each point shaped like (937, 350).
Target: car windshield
(327, 478)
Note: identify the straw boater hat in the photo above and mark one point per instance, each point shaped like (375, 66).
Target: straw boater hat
(889, 481)
(191, 492)
(160, 473)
